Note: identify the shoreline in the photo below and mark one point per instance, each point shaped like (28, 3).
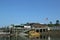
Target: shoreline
(49, 33)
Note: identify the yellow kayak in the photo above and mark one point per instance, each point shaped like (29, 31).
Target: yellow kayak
(34, 34)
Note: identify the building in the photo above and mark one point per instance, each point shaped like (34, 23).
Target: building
(29, 26)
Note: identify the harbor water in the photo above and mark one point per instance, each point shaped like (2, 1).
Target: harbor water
(42, 37)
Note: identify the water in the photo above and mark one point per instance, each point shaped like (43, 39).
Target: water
(42, 37)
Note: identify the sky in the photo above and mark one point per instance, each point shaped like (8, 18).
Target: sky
(23, 11)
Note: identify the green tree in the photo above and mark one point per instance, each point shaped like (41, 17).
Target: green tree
(50, 24)
(57, 23)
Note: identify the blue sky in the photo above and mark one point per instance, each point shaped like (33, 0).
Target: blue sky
(23, 11)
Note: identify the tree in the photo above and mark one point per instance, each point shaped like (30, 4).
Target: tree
(50, 22)
(57, 23)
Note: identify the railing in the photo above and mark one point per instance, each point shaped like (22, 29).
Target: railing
(54, 28)
(4, 32)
